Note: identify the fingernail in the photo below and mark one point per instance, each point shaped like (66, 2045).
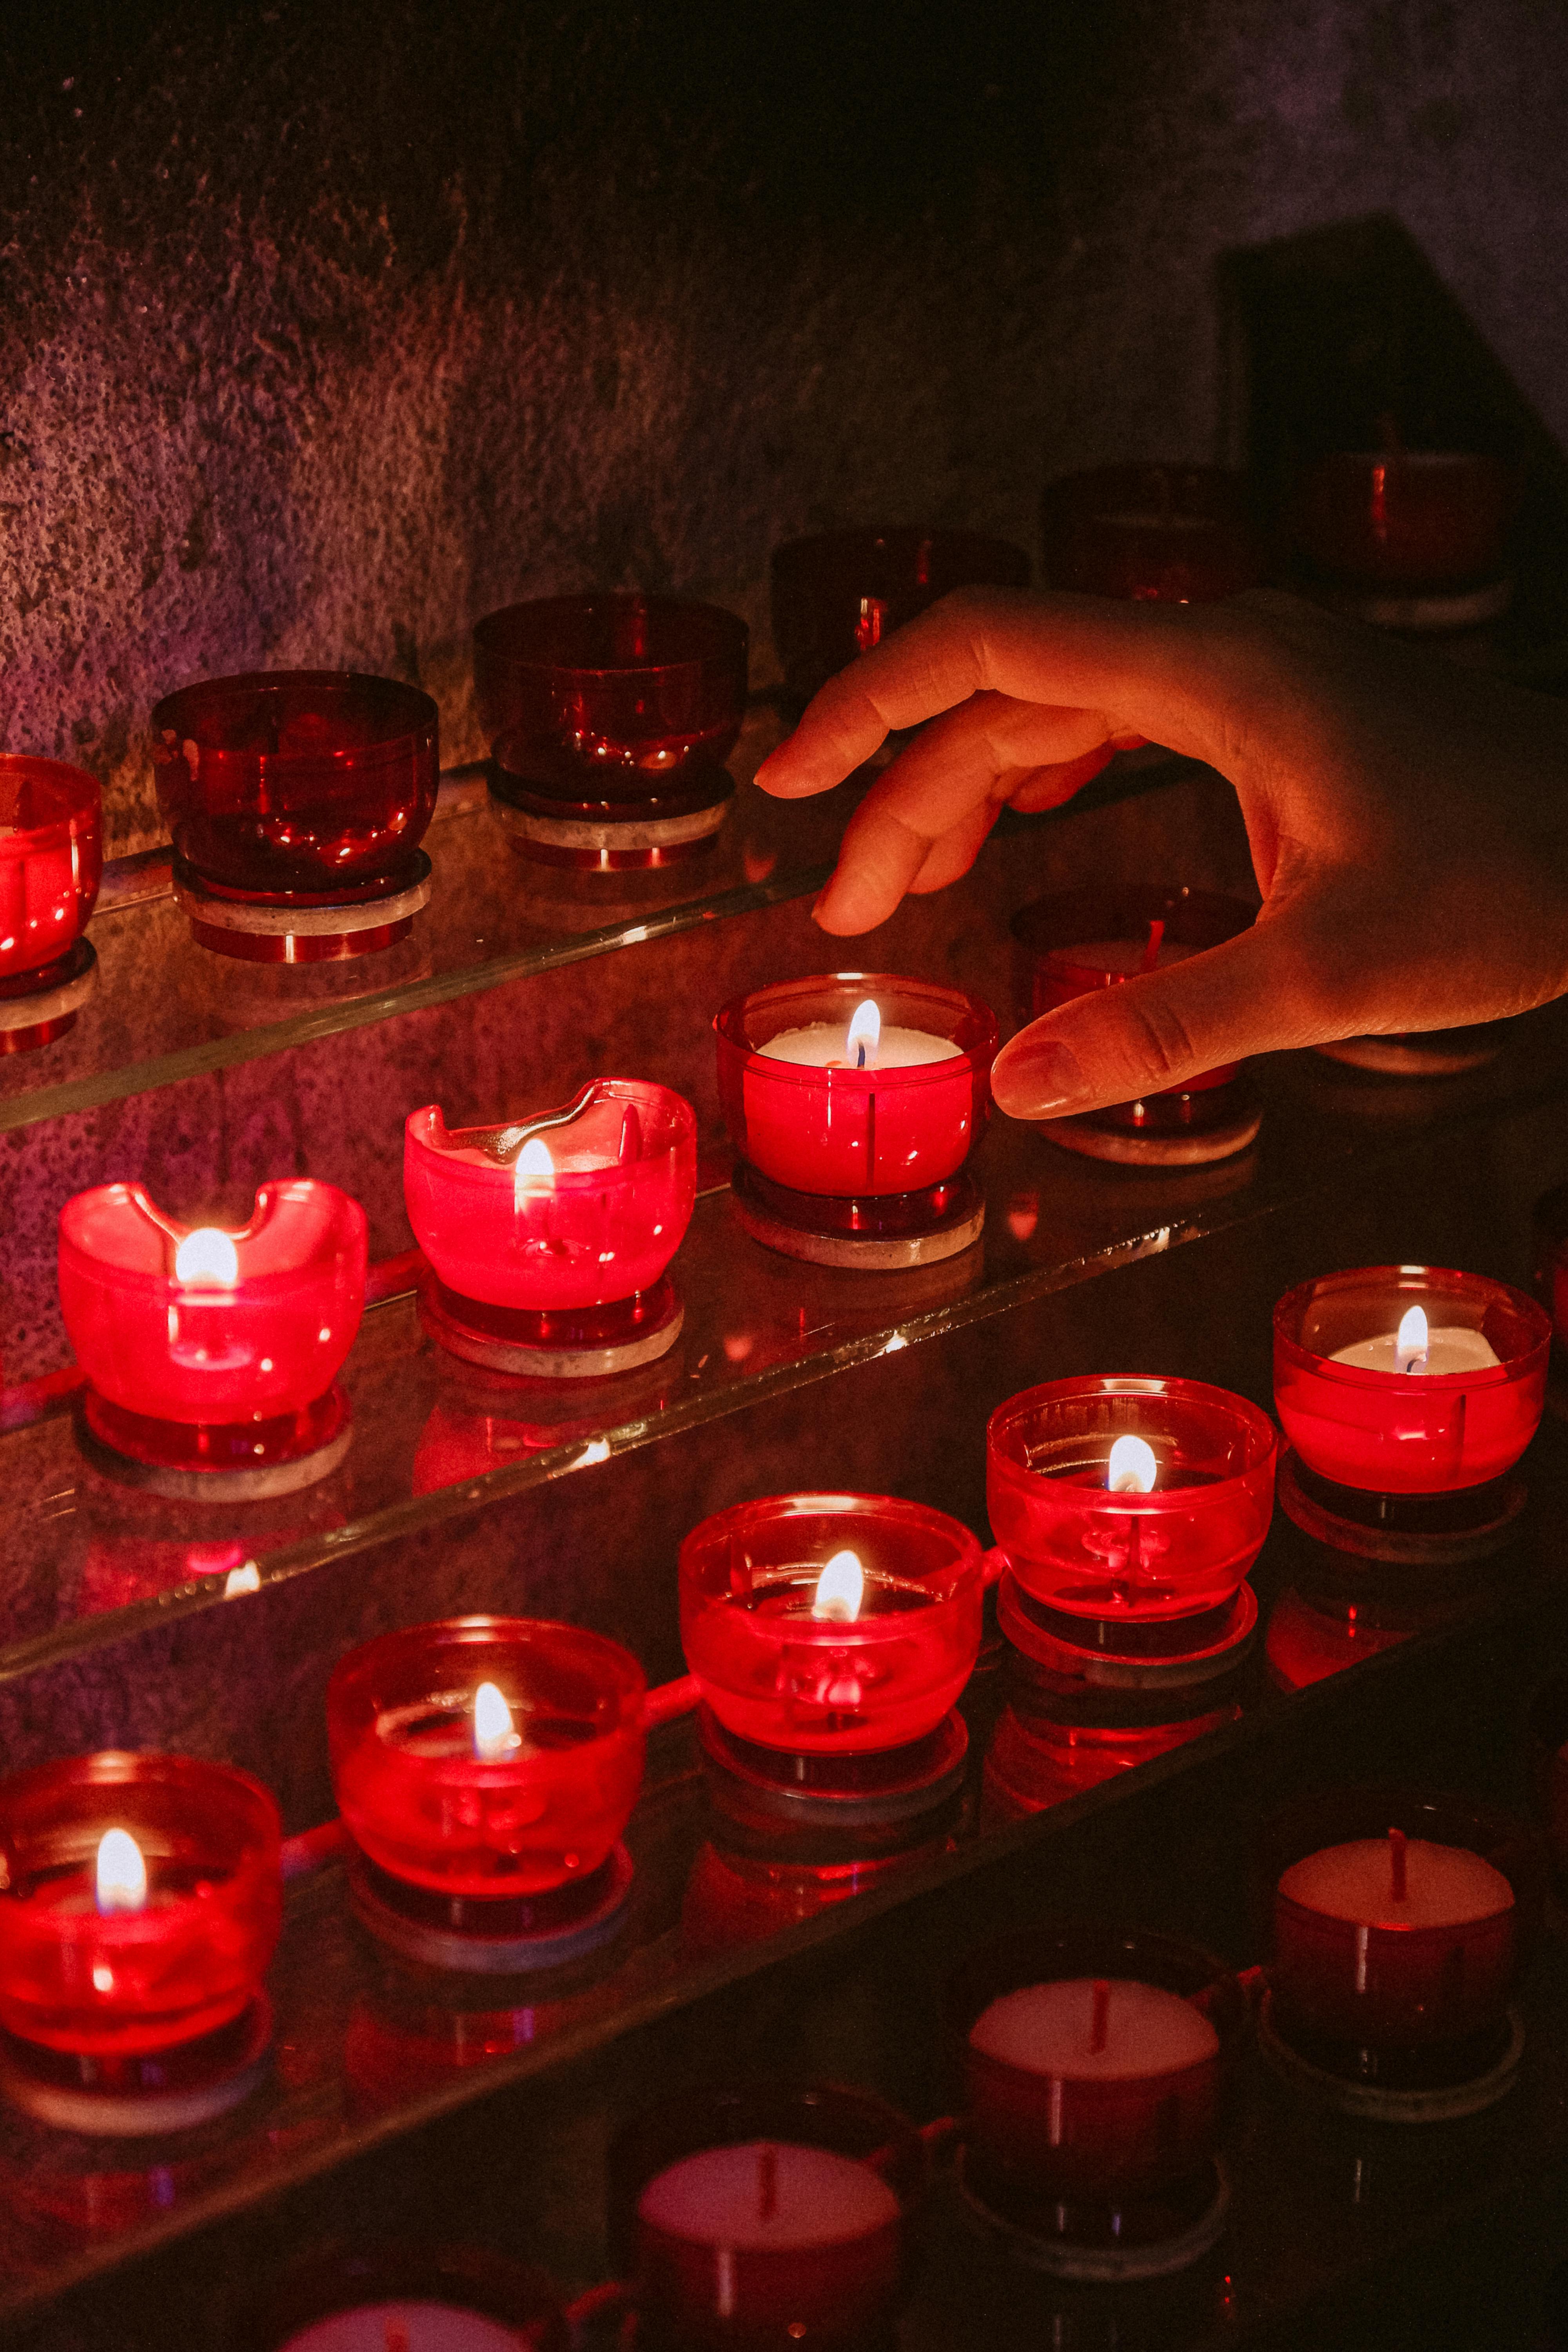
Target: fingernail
(1039, 1082)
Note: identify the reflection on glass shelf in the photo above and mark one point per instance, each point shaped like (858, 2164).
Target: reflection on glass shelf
(86, 1558)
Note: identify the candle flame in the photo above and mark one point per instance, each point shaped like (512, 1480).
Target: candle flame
(1131, 1469)
(208, 1255)
(121, 1873)
(533, 1164)
(1410, 1348)
(865, 1033)
(840, 1588)
(493, 1733)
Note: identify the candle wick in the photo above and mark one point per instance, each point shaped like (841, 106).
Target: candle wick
(396, 2336)
(1100, 2027)
(767, 2181)
(1396, 1842)
(1152, 946)
(860, 1054)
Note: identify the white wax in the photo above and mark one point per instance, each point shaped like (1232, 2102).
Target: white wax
(1444, 1885)
(1048, 2029)
(818, 2198)
(406, 2327)
(1450, 1347)
(1125, 957)
(824, 1042)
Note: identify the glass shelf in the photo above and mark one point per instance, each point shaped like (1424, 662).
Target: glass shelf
(166, 1009)
(86, 1559)
(368, 2048)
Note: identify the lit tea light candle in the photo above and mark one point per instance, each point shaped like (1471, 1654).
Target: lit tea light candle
(207, 1255)
(865, 1045)
(1131, 1469)
(494, 1736)
(1394, 1939)
(1416, 1347)
(768, 2240)
(840, 1588)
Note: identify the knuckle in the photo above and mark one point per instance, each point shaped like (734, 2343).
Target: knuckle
(1161, 1038)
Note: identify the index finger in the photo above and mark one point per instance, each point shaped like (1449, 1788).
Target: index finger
(1146, 666)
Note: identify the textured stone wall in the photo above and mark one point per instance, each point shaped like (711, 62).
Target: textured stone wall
(328, 327)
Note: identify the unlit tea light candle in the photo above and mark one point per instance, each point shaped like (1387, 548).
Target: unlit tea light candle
(406, 2327)
(1398, 1882)
(768, 2197)
(1089, 2029)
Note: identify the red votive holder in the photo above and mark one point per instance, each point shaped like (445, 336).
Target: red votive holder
(830, 1625)
(51, 861)
(1422, 521)
(1177, 534)
(853, 1101)
(298, 799)
(485, 1768)
(757, 2219)
(212, 1354)
(1095, 2063)
(1077, 941)
(842, 592)
(1125, 1503)
(1402, 1434)
(1399, 1923)
(610, 718)
(547, 1239)
(407, 2298)
(141, 1904)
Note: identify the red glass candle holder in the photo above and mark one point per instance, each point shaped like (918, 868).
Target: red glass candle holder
(1424, 521)
(1076, 941)
(842, 592)
(870, 1660)
(134, 2006)
(1407, 1462)
(1124, 1558)
(1547, 1761)
(1100, 2126)
(848, 1165)
(219, 1379)
(490, 1828)
(755, 2218)
(1043, 1754)
(298, 799)
(1402, 1992)
(547, 1239)
(610, 718)
(1178, 534)
(51, 861)
(463, 2298)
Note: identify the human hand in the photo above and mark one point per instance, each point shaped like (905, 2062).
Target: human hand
(1407, 819)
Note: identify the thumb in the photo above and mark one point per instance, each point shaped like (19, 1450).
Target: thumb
(1118, 1044)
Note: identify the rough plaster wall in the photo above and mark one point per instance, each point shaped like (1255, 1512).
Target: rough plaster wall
(327, 328)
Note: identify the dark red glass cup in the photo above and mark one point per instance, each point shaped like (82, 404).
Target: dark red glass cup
(51, 861)
(775, 2257)
(1057, 2131)
(611, 704)
(1346, 1985)
(839, 593)
(1417, 520)
(286, 785)
(1175, 534)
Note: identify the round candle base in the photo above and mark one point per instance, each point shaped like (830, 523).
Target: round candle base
(888, 1234)
(1435, 2084)
(1424, 613)
(585, 1343)
(240, 1462)
(1426, 1053)
(551, 832)
(493, 1938)
(303, 927)
(1405, 1531)
(135, 2099)
(848, 1791)
(1102, 2243)
(38, 1007)
(1175, 1131)
(1160, 1653)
